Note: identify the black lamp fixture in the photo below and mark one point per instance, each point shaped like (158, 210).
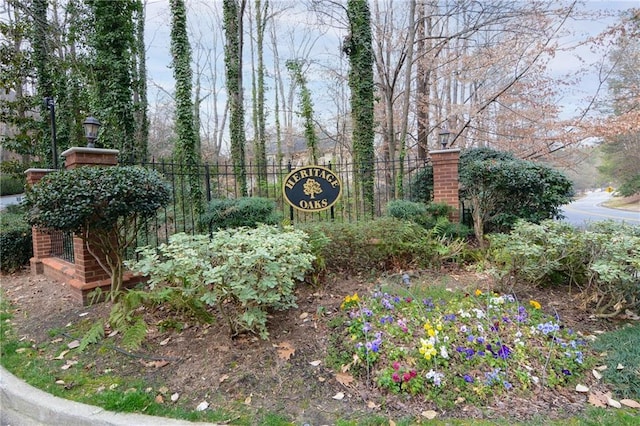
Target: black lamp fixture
(91, 126)
(443, 137)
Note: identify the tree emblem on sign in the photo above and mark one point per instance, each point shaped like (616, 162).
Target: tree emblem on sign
(311, 188)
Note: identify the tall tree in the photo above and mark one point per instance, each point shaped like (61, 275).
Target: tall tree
(260, 152)
(186, 151)
(233, 11)
(306, 107)
(140, 100)
(358, 47)
(114, 43)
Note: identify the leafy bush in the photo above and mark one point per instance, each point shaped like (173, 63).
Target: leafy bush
(432, 216)
(500, 189)
(241, 273)
(223, 213)
(103, 205)
(380, 245)
(452, 347)
(16, 247)
(603, 261)
(10, 185)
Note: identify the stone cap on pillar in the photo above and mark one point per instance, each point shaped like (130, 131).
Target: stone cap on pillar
(83, 156)
(34, 175)
(441, 151)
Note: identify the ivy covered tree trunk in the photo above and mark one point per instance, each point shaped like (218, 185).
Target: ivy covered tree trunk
(186, 144)
(306, 107)
(260, 137)
(114, 43)
(233, 11)
(140, 100)
(358, 47)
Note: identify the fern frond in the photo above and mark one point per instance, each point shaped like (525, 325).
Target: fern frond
(133, 336)
(94, 335)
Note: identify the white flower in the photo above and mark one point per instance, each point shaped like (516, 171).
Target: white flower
(443, 352)
(464, 314)
(479, 313)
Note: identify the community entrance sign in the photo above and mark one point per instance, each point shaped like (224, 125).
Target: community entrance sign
(312, 188)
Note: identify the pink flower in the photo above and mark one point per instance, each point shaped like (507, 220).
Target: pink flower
(395, 377)
(396, 365)
(406, 377)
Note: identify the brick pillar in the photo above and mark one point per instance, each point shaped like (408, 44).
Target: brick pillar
(41, 240)
(445, 179)
(88, 272)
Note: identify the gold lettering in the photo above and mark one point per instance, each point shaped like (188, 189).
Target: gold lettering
(303, 174)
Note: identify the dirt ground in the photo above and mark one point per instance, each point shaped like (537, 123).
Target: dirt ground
(202, 363)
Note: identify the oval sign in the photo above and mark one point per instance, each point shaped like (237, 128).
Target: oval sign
(312, 188)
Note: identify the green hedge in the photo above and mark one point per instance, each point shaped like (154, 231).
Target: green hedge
(10, 185)
(224, 213)
(15, 242)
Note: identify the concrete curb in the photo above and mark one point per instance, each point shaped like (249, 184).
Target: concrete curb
(24, 405)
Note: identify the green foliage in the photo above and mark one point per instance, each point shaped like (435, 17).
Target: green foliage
(225, 213)
(630, 186)
(409, 210)
(232, 16)
(243, 273)
(359, 48)
(93, 336)
(94, 198)
(16, 247)
(379, 245)
(432, 216)
(306, 107)
(603, 261)
(107, 205)
(10, 185)
(187, 148)
(422, 185)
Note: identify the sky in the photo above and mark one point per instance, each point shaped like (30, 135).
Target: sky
(161, 79)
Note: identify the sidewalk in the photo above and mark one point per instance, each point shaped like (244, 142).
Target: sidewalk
(24, 405)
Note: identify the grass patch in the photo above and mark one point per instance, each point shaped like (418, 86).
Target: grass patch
(622, 348)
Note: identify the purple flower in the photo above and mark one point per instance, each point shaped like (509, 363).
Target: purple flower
(468, 378)
(504, 352)
(480, 340)
(428, 303)
(366, 327)
(450, 317)
(566, 372)
(507, 385)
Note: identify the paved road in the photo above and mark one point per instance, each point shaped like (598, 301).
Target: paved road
(589, 209)
(10, 199)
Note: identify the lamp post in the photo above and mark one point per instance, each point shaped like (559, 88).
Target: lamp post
(51, 106)
(91, 126)
(443, 137)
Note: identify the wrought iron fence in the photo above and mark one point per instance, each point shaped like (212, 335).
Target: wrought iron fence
(62, 245)
(217, 180)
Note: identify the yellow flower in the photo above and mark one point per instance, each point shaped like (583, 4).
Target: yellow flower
(349, 301)
(478, 292)
(535, 304)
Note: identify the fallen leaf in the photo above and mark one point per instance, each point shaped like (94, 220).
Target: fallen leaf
(84, 314)
(202, 406)
(601, 367)
(613, 403)
(620, 366)
(113, 333)
(165, 341)
(159, 399)
(339, 396)
(154, 364)
(175, 396)
(429, 414)
(59, 382)
(74, 344)
(62, 354)
(20, 350)
(392, 423)
(58, 340)
(247, 400)
(285, 350)
(372, 405)
(304, 315)
(223, 378)
(316, 363)
(630, 403)
(582, 388)
(596, 374)
(598, 399)
(321, 379)
(113, 386)
(344, 378)
(163, 390)
(345, 367)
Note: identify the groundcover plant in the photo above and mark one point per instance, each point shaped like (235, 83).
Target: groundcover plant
(458, 348)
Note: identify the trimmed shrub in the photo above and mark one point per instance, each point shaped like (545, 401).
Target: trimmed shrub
(379, 245)
(10, 185)
(223, 213)
(15, 242)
